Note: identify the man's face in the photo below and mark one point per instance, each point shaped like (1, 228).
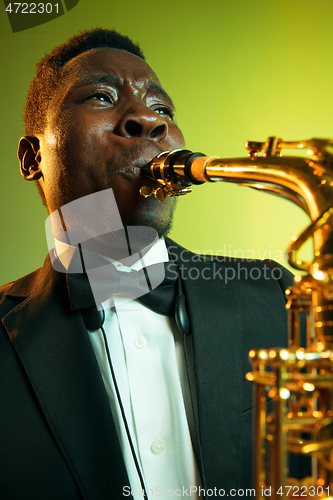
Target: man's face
(109, 117)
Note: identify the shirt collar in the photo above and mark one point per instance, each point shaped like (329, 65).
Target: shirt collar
(157, 253)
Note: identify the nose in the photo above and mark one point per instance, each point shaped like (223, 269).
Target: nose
(143, 122)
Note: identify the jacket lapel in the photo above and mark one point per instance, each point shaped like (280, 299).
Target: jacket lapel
(219, 380)
(56, 354)
(234, 306)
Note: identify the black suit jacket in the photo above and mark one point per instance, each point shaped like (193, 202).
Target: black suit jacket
(57, 435)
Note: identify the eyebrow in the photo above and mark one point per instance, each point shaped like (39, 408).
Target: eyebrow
(107, 79)
(157, 89)
(116, 81)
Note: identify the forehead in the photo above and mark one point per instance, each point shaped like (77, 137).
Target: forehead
(109, 61)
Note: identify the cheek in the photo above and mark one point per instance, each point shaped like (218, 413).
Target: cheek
(71, 164)
(77, 145)
(80, 140)
(50, 146)
(177, 140)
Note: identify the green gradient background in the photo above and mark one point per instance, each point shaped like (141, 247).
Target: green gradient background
(236, 69)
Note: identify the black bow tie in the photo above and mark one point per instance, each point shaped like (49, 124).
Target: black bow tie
(97, 285)
(167, 298)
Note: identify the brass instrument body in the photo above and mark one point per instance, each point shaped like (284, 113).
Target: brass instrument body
(298, 380)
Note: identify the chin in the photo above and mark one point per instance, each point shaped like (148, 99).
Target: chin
(159, 217)
(163, 227)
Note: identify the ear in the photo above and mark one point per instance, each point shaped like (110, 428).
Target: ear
(30, 158)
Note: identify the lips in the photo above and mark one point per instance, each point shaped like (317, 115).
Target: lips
(132, 170)
(134, 167)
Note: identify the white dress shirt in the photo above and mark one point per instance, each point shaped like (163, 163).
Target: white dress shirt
(148, 359)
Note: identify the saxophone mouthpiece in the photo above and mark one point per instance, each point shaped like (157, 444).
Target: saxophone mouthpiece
(146, 168)
(172, 171)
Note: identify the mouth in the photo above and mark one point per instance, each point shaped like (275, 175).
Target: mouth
(131, 170)
(135, 167)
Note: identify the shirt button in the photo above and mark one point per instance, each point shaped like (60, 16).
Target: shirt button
(140, 342)
(158, 446)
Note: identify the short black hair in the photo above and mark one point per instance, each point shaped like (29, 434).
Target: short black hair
(49, 71)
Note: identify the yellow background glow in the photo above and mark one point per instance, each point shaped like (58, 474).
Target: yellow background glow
(237, 70)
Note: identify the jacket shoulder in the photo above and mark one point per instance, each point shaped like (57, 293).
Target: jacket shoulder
(12, 293)
(28, 281)
(15, 292)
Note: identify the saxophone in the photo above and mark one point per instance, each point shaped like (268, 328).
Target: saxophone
(298, 380)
